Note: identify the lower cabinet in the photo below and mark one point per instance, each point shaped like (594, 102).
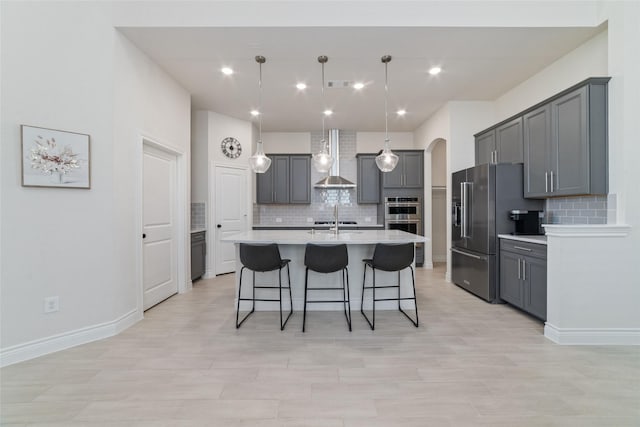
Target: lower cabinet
(523, 276)
(198, 254)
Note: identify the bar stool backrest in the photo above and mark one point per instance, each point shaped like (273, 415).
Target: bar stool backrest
(392, 257)
(326, 258)
(260, 257)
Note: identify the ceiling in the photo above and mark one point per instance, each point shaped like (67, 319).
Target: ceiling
(478, 64)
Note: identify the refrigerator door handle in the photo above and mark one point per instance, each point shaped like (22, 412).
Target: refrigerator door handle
(463, 210)
(468, 254)
(464, 187)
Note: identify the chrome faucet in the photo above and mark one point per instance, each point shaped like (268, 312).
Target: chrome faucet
(336, 228)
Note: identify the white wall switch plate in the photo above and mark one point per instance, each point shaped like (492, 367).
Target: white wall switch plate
(51, 304)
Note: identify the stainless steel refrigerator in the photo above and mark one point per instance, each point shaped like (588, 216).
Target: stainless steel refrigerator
(482, 197)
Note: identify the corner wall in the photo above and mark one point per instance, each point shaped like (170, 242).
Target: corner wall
(75, 73)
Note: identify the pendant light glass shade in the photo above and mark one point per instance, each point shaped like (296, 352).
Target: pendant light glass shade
(386, 160)
(259, 162)
(322, 160)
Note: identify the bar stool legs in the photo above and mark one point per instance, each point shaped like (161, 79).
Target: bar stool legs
(392, 258)
(327, 259)
(263, 258)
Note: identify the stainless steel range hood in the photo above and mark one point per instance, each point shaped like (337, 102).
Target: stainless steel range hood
(334, 180)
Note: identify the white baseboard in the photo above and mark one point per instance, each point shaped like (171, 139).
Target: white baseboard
(427, 265)
(40, 347)
(209, 274)
(592, 336)
(442, 258)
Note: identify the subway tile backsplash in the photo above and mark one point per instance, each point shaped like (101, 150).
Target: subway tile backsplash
(198, 215)
(577, 210)
(322, 201)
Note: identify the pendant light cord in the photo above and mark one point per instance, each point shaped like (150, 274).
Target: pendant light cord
(323, 106)
(260, 102)
(386, 112)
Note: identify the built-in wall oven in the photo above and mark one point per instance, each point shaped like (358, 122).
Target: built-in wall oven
(403, 213)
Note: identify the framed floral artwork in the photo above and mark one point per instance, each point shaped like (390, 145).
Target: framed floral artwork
(55, 158)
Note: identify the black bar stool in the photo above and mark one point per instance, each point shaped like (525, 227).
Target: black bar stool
(263, 258)
(327, 259)
(389, 257)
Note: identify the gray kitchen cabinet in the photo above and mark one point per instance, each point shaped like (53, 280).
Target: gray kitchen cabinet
(300, 179)
(408, 173)
(288, 180)
(523, 276)
(509, 142)
(485, 147)
(368, 179)
(537, 151)
(502, 144)
(565, 143)
(198, 254)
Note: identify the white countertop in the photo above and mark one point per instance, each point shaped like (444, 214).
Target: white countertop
(525, 238)
(318, 226)
(198, 230)
(302, 237)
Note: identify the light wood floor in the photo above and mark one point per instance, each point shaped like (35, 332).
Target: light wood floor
(468, 364)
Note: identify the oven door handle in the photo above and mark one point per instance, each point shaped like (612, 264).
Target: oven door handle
(403, 221)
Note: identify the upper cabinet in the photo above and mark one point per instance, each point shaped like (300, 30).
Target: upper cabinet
(287, 181)
(409, 172)
(501, 144)
(565, 143)
(486, 147)
(368, 179)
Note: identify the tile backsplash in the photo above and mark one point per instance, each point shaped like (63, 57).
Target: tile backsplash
(577, 210)
(198, 215)
(322, 201)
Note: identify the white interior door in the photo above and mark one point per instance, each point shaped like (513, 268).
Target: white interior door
(231, 214)
(160, 250)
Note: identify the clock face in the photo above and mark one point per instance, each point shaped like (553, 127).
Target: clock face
(231, 147)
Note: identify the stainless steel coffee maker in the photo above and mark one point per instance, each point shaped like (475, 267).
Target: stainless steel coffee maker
(527, 222)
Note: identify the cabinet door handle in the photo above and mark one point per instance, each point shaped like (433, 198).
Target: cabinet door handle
(546, 182)
(524, 269)
(551, 181)
(519, 271)
(522, 249)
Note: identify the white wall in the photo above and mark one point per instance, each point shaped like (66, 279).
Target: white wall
(286, 142)
(372, 142)
(200, 156)
(587, 60)
(75, 73)
(439, 164)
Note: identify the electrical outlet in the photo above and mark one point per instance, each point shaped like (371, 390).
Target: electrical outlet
(309, 219)
(51, 304)
(367, 219)
(278, 219)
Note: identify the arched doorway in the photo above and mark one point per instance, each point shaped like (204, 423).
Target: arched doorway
(439, 200)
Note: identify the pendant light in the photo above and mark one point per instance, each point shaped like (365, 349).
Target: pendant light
(322, 160)
(259, 162)
(386, 160)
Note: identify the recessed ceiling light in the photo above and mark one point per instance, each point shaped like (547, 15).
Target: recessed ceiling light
(435, 70)
(227, 71)
(401, 112)
(301, 86)
(255, 112)
(328, 112)
(358, 85)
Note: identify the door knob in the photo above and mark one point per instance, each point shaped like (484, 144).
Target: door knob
(144, 236)
(219, 226)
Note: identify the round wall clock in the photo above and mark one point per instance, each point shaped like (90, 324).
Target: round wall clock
(231, 147)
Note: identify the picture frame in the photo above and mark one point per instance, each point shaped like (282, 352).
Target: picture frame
(55, 158)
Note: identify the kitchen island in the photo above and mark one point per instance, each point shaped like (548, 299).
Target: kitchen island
(360, 245)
